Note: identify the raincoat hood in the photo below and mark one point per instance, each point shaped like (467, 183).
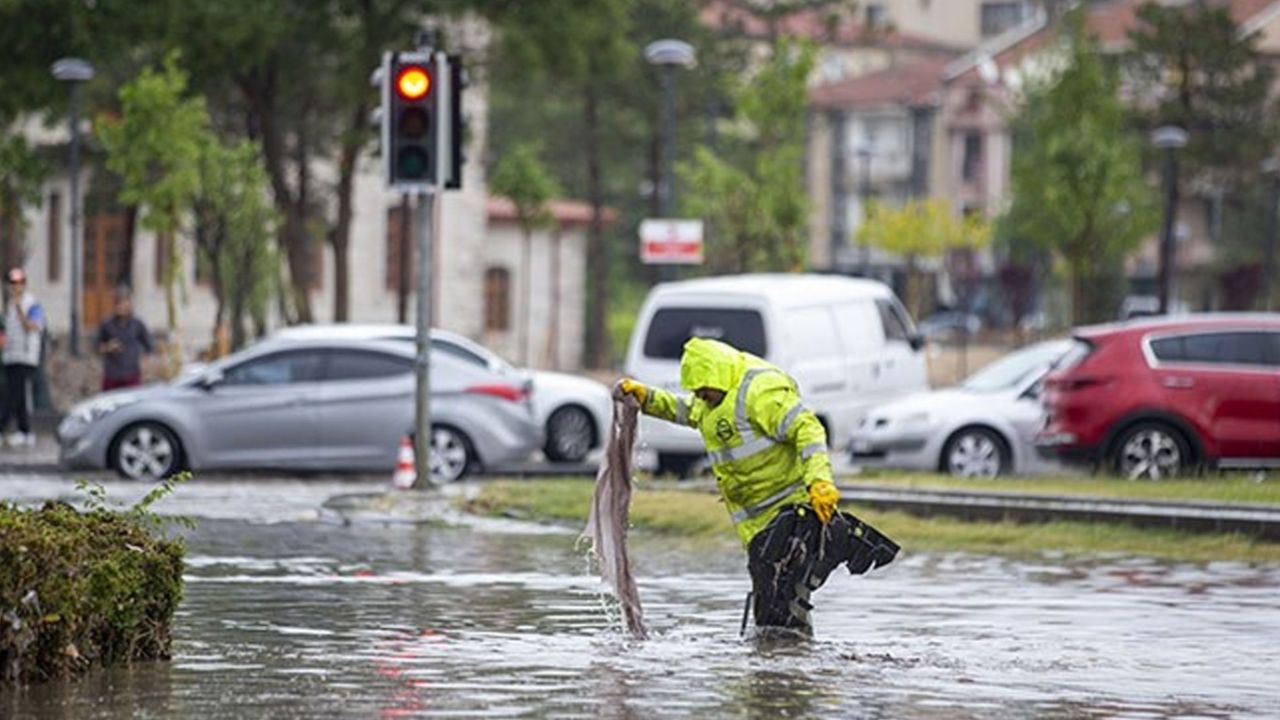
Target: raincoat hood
(710, 364)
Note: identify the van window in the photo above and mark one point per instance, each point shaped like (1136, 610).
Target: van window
(859, 324)
(895, 325)
(812, 333)
(671, 327)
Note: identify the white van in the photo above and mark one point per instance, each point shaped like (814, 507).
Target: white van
(848, 343)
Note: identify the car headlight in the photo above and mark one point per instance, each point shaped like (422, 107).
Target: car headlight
(94, 410)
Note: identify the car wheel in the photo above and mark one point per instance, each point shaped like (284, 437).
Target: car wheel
(570, 434)
(976, 453)
(1150, 451)
(451, 455)
(146, 451)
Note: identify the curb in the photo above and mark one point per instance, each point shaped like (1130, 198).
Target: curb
(1260, 521)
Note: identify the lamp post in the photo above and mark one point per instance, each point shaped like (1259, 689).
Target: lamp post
(668, 55)
(1271, 169)
(864, 194)
(74, 71)
(1170, 139)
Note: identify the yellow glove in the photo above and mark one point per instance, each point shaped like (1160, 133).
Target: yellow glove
(823, 496)
(634, 388)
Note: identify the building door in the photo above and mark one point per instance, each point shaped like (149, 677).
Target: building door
(106, 257)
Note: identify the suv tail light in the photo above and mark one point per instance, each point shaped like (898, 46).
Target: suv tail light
(503, 392)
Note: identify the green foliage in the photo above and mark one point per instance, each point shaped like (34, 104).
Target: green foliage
(235, 225)
(22, 174)
(1078, 187)
(753, 196)
(921, 229)
(521, 176)
(155, 147)
(1210, 79)
(79, 589)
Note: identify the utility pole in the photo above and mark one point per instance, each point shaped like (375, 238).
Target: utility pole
(75, 72)
(1170, 139)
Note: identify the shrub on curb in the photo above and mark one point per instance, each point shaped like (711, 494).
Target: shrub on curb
(79, 589)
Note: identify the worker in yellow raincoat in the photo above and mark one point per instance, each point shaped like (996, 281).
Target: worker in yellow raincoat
(770, 457)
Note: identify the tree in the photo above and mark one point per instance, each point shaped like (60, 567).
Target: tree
(155, 147)
(753, 195)
(22, 174)
(521, 177)
(580, 48)
(235, 223)
(1199, 72)
(919, 230)
(1078, 186)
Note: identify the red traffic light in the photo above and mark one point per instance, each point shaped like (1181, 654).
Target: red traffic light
(413, 82)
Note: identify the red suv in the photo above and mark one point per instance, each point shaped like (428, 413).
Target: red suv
(1159, 397)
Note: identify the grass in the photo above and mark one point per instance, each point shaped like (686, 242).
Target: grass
(1230, 488)
(695, 513)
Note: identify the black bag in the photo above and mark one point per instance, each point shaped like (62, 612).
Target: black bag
(793, 555)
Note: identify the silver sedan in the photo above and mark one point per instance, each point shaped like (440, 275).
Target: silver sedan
(339, 405)
(984, 427)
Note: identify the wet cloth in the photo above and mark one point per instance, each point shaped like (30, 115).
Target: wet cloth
(610, 512)
(794, 554)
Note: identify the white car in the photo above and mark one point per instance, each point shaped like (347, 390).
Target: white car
(984, 427)
(573, 411)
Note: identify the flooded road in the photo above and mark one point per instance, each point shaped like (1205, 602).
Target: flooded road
(289, 613)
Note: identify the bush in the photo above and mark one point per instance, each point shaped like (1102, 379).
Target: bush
(84, 588)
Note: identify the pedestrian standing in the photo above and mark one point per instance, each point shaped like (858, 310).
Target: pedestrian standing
(23, 336)
(122, 341)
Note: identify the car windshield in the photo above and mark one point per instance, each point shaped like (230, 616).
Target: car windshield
(1013, 370)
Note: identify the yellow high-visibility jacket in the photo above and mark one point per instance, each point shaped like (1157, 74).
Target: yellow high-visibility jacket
(765, 446)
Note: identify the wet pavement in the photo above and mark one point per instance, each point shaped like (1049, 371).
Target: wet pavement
(290, 612)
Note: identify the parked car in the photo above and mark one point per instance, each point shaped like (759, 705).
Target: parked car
(848, 343)
(984, 427)
(303, 405)
(1158, 397)
(573, 411)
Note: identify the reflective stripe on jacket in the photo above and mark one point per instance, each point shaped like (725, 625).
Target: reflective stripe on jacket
(765, 447)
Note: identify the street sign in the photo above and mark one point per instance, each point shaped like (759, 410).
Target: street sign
(671, 242)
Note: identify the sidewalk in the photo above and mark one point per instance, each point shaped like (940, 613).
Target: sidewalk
(42, 458)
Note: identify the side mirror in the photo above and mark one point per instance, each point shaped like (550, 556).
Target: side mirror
(917, 342)
(209, 380)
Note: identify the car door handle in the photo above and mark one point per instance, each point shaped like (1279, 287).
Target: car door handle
(1178, 383)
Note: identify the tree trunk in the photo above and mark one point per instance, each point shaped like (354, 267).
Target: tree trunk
(340, 236)
(598, 353)
(1076, 275)
(526, 282)
(551, 358)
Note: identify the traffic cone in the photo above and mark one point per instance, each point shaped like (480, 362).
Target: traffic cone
(405, 475)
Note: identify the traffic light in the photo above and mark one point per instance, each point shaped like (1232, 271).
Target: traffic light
(409, 120)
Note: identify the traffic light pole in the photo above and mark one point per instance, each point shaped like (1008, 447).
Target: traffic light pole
(422, 389)
(426, 218)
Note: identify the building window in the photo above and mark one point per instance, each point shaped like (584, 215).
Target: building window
(996, 17)
(971, 165)
(497, 299)
(876, 17)
(400, 250)
(55, 237)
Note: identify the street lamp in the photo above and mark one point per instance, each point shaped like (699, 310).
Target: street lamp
(1271, 169)
(668, 55)
(864, 153)
(1169, 138)
(74, 71)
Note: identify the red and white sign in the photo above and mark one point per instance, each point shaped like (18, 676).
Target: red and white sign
(671, 242)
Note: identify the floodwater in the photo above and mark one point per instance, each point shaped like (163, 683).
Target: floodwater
(291, 613)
